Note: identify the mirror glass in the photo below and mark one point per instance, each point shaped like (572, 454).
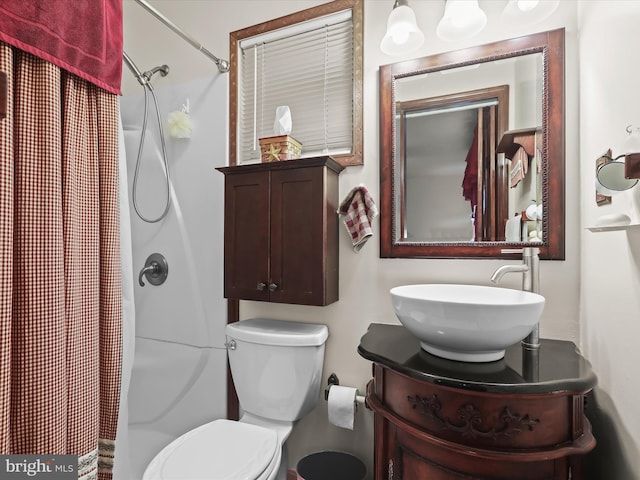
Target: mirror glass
(470, 141)
(611, 176)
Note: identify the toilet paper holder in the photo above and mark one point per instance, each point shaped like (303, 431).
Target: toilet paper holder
(334, 380)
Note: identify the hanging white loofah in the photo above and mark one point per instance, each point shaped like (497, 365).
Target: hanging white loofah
(179, 122)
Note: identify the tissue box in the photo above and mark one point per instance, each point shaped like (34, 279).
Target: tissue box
(282, 147)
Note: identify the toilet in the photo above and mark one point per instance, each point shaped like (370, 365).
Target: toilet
(276, 367)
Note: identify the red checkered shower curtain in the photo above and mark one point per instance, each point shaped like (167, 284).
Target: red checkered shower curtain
(60, 287)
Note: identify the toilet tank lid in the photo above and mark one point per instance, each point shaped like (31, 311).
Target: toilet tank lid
(268, 331)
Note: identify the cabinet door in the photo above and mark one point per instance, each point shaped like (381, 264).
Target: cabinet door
(298, 236)
(397, 461)
(246, 241)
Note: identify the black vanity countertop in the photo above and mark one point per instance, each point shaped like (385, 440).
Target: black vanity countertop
(558, 366)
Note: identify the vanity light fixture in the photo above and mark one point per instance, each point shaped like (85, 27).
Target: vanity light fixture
(529, 11)
(403, 35)
(622, 172)
(462, 19)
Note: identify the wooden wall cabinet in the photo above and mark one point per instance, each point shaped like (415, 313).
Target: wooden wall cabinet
(438, 419)
(281, 231)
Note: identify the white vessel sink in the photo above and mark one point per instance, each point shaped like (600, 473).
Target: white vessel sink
(469, 323)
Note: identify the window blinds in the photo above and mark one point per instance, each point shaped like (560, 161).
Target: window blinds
(312, 72)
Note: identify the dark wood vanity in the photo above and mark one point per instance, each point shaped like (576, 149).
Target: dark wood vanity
(281, 231)
(521, 417)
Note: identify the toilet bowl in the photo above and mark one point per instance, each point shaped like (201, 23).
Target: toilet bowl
(277, 367)
(245, 452)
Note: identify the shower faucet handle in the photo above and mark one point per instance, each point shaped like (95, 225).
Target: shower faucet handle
(148, 270)
(155, 269)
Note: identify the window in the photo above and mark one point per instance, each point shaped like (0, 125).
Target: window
(310, 61)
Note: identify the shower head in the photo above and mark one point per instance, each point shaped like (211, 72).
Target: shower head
(162, 69)
(144, 78)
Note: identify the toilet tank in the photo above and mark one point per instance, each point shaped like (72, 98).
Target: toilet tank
(276, 366)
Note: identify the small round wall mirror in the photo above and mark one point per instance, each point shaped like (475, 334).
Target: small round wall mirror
(611, 176)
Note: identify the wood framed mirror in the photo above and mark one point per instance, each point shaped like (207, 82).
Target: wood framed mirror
(470, 141)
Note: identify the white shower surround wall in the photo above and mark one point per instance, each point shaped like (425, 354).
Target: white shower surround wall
(179, 369)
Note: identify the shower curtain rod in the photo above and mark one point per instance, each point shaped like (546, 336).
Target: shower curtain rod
(223, 65)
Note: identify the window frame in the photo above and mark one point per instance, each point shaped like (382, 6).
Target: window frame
(357, 9)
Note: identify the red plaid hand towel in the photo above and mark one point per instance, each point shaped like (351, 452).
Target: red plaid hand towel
(359, 209)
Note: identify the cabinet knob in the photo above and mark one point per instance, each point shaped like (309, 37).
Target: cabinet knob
(273, 287)
(261, 286)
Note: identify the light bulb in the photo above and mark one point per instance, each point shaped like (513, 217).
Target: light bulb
(527, 5)
(400, 36)
(403, 35)
(523, 12)
(462, 19)
(461, 15)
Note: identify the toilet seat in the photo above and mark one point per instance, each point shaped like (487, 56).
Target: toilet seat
(220, 450)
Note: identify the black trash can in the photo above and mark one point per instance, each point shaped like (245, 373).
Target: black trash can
(331, 466)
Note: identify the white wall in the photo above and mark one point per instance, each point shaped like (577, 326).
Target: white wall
(179, 368)
(610, 286)
(365, 279)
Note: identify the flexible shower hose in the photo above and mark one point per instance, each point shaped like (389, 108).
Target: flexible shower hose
(147, 86)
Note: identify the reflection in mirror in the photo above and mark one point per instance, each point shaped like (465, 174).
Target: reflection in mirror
(472, 151)
(448, 144)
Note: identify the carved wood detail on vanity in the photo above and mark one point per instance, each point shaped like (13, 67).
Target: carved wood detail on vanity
(478, 418)
(471, 419)
(442, 420)
(446, 433)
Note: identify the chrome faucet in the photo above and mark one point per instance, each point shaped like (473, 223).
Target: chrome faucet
(529, 268)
